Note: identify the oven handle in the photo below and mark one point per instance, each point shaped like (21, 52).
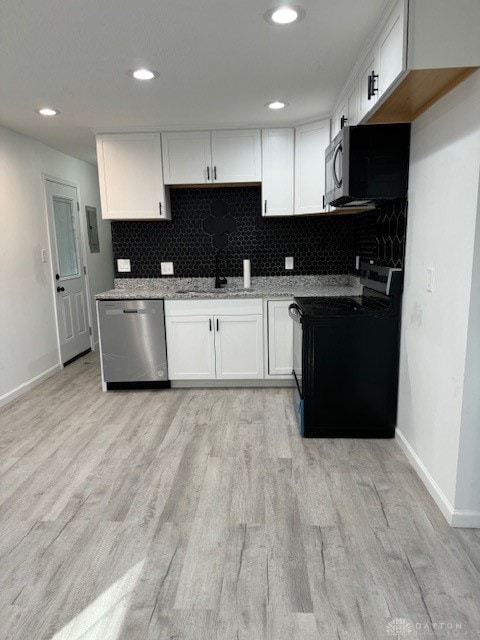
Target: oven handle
(295, 312)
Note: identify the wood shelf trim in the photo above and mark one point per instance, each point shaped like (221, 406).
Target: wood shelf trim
(418, 90)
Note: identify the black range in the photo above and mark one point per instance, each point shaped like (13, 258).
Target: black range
(346, 352)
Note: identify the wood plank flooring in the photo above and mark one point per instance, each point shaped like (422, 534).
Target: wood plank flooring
(201, 514)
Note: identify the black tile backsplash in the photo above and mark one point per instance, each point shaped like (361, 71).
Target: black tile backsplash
(380, 235)
(319, 245)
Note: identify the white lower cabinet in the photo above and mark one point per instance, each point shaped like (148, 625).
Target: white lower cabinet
(190, 347)
(214, 339)
(239, 347)
(280, 338)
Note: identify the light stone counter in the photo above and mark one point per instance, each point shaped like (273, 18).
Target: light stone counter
(203, 288)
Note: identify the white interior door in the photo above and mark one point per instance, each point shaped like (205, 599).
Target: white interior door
(69, 275)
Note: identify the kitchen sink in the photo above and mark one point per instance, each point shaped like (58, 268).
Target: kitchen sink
(209, 291)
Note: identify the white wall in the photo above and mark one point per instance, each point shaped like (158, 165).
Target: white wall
(443, 202)
(28, 342)
(467, 493)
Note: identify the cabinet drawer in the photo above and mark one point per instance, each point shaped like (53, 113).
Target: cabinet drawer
(248, 306)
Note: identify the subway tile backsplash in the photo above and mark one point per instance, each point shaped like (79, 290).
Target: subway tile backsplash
(320, 245)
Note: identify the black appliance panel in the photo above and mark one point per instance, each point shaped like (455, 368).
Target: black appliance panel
(350, 388)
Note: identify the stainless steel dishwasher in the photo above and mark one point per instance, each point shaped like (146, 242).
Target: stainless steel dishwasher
(133, 346)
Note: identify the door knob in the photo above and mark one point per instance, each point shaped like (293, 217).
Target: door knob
(60, 289)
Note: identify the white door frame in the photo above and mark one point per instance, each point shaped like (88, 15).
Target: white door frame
(46, 177)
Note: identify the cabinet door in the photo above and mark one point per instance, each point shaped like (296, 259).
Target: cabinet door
(340, 112)
(391, 55)
(190, 347)
(237, 156)
(239, 347)
(187, 157)
(277, 183)
(311, 141)
(130, 176)
(280, 338)
(368, 83)
(352, 105)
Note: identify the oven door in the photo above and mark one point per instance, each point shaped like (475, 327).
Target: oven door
(296, 314)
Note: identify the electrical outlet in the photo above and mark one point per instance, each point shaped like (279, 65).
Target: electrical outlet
(357, 262)
(123, 265)
(430, 279)
(44, 255)
(166, 268)
(289, 263)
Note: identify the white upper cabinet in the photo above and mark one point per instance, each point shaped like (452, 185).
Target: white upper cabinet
(311, 141)
(419, 51)
(352, 104)
(340, 116)
(200, 157)
(130, 177)
(368, 83)
(236, 156)
(391, 50)
(278, 172)
(186, 157)
(346, 113)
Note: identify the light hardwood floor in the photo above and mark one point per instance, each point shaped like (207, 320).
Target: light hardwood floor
(201, 514)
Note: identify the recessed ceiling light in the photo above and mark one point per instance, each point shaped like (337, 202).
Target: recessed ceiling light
(47, 111)
(143, 74)
(286, 14)
(276, 104)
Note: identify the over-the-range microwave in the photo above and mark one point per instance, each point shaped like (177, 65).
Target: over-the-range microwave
(367, 164)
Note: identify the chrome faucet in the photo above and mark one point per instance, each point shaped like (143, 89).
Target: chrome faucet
(219, 280)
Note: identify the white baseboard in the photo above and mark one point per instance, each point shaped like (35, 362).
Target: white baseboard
(455, 518)
(434, 490)
(219, 384)
(26, 386)
(466, 519)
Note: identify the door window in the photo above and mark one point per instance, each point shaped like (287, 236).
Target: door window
(65, 237)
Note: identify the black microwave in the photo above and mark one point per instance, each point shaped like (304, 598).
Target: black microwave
(367, 164)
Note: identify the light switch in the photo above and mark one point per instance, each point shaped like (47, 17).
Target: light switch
(166, 268)
(430, 279)
(123, 265)
(289, 263)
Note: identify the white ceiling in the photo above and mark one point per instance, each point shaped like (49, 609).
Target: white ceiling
(219, 63)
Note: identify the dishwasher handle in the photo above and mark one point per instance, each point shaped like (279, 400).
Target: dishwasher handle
(118, 312)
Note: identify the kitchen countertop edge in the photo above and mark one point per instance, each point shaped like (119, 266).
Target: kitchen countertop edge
(264, 288)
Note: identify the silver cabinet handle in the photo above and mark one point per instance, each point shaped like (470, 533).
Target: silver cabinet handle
(217, 325)
(214, 172)
(210, 324)
(208, 174)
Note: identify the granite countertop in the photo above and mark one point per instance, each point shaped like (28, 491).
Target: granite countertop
(203, 288)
